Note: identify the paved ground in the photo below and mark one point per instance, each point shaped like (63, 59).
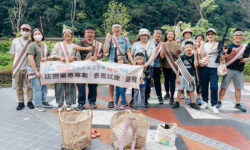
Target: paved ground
(197, 130)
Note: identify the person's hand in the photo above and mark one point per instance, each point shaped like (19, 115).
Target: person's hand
(93, 58)
(63, 59)
(234, 50)
(177, 80)
(195, 52)
(71, 59)
(243, 60)
(178, 41)
(202, 43)
(38, 74)
(90, 48)
(43, 59)
(225, 50)
(179, 23)
(108, 35)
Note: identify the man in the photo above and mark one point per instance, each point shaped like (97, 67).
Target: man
(236, 57)
(157, 68)
(113, 46)
(95, 53)
(18, 51)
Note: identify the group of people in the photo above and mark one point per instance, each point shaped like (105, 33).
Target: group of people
(186, 62)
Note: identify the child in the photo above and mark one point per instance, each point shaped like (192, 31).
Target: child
(118, 90)
(139, 57)
(190, 62)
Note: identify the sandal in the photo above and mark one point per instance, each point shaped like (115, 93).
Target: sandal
(94, 132)
(111, 104)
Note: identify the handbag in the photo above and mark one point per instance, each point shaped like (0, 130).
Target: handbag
(222, 69)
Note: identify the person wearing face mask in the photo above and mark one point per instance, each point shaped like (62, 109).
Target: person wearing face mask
(18, 51)
(37, 52)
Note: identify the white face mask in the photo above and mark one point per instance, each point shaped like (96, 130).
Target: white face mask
(25, 34)
(38, 37)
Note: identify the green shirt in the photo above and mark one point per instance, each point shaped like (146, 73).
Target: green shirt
(35, 50)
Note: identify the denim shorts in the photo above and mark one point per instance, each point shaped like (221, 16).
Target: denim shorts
(184, 84)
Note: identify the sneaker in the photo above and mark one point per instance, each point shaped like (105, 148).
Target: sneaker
(60, 108)
(218, 105)
(40, 108)
(20, 106)
(167, 96)
(187, 101)
(30, 105)
(93, 106)
(68, 108)
(134, 107)
(160, 100)
(122, 107)
(144, 108)
(176, 105)
(214, 109)
(198, 101)
(146, 104)
(116, 107)
(111, 104)
(204, 105)
(241, 108)
(194, 106)
(46, 105)
(171, 102)
(127, 104)
(80, 107)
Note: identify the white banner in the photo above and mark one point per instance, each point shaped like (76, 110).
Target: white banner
(97, 72)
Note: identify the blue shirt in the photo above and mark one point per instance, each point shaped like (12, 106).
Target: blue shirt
(144, 84)
(157, 61)
(124, 45)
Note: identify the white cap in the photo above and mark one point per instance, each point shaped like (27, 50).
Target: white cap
(65, 30)
(26, 26)
(211, 30)
(143, 32)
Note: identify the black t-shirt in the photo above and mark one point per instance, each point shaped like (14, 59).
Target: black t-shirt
(188, 62)
(236, 64)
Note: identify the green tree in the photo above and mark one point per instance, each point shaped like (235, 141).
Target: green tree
(116, 12)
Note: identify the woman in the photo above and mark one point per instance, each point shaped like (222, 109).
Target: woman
(169, 70)
(146, 47)
(37, 52)
(66, 52)
(209, 72)
(199, 40)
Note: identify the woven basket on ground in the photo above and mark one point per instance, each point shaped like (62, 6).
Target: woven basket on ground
(76, 129)
(136, 123)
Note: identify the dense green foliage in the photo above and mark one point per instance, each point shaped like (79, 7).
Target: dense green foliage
(52, 14)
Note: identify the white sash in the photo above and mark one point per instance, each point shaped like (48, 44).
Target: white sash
(184, 72)
(239, 52)
(97, 47)
(170, 60)
(64, 51)
(19, 61)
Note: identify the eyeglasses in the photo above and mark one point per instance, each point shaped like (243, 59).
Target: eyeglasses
(210, 34)
(90, 32)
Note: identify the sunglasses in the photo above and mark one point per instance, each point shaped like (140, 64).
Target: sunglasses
(210, 34)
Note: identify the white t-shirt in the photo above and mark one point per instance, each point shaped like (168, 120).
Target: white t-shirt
(70, 48)
(212, 58)
(16, 48)
(136, 48)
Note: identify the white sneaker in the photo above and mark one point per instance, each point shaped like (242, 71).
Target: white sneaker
(214, 109)
(60, 109)
(204, 105)
(68, 108)
(40, 108)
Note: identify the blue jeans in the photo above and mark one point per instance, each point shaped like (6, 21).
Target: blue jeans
(91, 95)
(120, 91)
(209, 75)
(39, 91)
(136, 96)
